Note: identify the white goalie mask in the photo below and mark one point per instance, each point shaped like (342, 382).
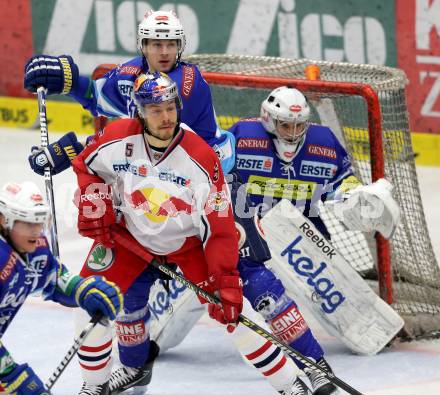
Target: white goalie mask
(285, 114)
(161, 25)
(23, 202)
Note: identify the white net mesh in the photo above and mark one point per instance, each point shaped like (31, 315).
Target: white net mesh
(416, 274)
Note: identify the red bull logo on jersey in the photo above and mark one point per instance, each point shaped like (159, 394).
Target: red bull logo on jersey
(157, 204)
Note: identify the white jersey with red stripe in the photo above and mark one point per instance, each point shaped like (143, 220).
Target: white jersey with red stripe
(166, 197)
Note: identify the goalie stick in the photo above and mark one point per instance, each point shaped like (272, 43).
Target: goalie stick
(44, 136)
(73, 350)
(139, 251)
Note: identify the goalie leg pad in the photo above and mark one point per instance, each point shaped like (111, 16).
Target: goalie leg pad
(252, 244)
(174, 313)
(320, 279)
(132, 325)
(267, 295)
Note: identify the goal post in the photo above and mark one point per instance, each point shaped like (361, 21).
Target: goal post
(374, 133)
(367, 104)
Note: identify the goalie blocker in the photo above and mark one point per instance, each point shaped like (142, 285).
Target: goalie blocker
(318, 277)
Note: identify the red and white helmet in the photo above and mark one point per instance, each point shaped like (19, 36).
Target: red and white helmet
(161, 25)
(23, 202)
(287, 105)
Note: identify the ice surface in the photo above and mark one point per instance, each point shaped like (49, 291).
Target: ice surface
(206, 362)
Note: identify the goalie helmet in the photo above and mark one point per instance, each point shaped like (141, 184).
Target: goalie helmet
(286, 108)
(161, 25)
(154, 89)
(23, 202)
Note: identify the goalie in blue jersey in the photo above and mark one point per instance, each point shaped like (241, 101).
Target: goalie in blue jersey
(283, 155)
(28, 267)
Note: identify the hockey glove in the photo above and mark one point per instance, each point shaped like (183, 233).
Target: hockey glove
(224, 146)
(229, 288)
(95, 213)
(369, 208)
(22, 380)
(57, 155)
(96, 294)
(58, 74)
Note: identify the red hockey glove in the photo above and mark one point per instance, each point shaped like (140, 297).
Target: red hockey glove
(96, 213)
(229, 289)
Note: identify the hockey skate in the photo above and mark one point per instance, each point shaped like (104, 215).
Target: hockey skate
(89, 389)
(320, 384)
(136, 379)
(298, 388)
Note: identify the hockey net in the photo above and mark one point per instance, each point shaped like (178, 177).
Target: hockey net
(404, 270)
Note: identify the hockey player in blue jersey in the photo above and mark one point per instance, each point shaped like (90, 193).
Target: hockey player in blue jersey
(161, 41)
(283, 155)
(28, 267)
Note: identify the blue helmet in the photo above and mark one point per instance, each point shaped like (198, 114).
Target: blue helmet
(154, 89)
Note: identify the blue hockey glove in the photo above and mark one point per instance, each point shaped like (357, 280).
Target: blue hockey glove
(96, 294)
(58, 74)
(224, 146)
(23, 380)
(57, 155)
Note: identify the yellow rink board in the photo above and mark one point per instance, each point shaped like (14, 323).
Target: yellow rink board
(67, 116)
(62, 116)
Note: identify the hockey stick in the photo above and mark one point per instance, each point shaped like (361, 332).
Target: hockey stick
(44, 136)
(258, 329)
(73, 350)
(139, 251)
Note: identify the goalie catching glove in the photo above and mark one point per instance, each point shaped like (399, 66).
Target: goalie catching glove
(229, 289)
(369, 208)
(95, 294)
(57, 155)
(58, 74)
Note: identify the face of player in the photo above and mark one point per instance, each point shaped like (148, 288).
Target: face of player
(290, 131)
(160, 54)
(24, 236)
(161, 121)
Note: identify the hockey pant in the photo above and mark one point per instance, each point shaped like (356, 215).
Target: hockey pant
(135, 279)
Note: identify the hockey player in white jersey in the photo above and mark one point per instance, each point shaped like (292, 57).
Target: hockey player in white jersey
(169, 188)
(28, 267)
(161, 39)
